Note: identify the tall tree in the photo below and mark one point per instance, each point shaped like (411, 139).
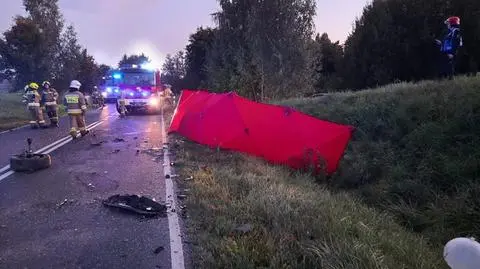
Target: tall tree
(173, 70)
(394, 40)
(69, 58)
(23, 50)
(134, 59)
(88, 71)
(196, 57)
(48, 18)
(327, 62)
(261, 47)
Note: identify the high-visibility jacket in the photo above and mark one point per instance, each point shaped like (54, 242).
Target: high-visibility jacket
(452, 41)
(75, 103)
(49, 97)
(32, 98)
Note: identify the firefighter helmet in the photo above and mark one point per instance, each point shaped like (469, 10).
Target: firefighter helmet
(75, 84)
(33, 85)
(453, 20)
(45, 83)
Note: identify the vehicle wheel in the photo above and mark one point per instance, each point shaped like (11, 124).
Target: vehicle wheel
(35, 162)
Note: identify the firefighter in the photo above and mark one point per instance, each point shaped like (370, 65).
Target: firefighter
(121, 104)
(33, 99)
(97, 96)
(49, 100)
(449, 46)
(76, 106)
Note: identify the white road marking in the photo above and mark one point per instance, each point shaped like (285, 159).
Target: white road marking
(14, 129)
(47, 149)
(176, 246)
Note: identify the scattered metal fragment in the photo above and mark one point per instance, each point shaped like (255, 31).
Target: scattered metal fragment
(62, 203)
(158, 250)
(137, 204)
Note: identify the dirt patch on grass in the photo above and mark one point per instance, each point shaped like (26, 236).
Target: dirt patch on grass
(243, 213)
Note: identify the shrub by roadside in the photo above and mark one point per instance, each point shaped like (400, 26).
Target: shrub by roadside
(243, 213)
(416, 152)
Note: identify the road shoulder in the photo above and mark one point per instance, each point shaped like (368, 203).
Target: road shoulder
(243, 213)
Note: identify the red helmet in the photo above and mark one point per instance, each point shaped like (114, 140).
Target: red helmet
(453, 21)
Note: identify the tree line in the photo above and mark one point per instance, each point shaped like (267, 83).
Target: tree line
(265, 49)
(39, 46)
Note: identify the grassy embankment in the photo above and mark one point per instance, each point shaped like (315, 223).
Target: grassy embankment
(406, 185)
(13, 113)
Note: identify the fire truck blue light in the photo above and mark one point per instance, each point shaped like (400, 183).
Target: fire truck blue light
(117, 76)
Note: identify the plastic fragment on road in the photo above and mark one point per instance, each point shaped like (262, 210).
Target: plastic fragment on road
(462, 253)
(278, 134)
(137, 204)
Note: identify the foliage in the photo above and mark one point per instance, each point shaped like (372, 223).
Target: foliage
(327, 61)
(173, 70)
(37, 48)
(394, 41)
(196, 56)
(288, 221)
(415, 152)
(260, 48)
(134, 59)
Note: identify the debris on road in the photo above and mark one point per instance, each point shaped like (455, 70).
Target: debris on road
(116, 151)
(137, 204)
(189, 178)
(118, 140)
(29, 161)
(64, 202)
(158, 250)
(97, 144)
(181, 196)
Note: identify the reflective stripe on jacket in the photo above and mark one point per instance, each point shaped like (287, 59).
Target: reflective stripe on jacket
(32, 98)
(49, 96)
(75, 103)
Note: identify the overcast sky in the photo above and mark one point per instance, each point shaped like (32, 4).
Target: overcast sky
(110, 28)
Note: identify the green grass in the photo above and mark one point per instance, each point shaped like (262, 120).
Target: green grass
(415, 154)
(14, 113)
(408, 183)
(296, 222)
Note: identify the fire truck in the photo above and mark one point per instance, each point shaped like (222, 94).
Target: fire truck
(140, 88)
(109, 88)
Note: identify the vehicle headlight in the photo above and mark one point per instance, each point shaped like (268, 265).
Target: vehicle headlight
(104, 94)
(109, 89)
(153, 102)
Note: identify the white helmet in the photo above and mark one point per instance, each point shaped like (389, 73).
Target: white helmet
(75, 84)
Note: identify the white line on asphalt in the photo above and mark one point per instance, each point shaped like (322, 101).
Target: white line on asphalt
(14, 129)
(176, 247)
(53, 146)
(7, 167)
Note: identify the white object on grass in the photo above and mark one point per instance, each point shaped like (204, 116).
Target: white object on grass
(462, 253)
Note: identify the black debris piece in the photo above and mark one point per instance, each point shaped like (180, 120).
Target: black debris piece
(158, 250)
(167, 176)
(117, 140)
(138, 204)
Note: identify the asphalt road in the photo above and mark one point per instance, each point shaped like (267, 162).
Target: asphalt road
(55, 219)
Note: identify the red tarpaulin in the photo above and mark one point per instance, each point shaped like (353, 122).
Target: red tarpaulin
(278, 134)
